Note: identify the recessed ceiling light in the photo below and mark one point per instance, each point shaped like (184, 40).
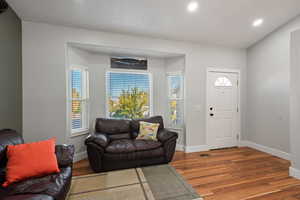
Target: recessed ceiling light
(257, 22)
(192, 6)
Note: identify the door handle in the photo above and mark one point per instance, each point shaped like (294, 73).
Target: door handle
(211, 114)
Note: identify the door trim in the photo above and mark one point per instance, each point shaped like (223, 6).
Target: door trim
(223, 70)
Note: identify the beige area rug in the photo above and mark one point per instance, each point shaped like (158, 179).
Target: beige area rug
(149, 183)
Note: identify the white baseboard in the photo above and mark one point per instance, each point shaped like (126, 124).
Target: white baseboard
(180, 147)
(294, 172)
(199, 148)
(80, 156)
(192, 149)
(243, 143)
(274, 152)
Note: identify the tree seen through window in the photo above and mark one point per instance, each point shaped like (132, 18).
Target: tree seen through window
(128, 95)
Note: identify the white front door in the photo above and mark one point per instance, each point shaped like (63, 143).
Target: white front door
(222, 109)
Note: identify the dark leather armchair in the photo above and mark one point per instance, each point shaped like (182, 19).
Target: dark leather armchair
(113, 145)
(50, 187)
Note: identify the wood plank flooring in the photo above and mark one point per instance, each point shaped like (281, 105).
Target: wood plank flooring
(231, 174)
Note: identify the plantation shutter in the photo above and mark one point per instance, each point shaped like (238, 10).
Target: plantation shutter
(176, 100)
(120, 82)
(76, 97)
(79, 98)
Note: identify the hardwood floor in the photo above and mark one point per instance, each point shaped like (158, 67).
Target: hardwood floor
(231, 174)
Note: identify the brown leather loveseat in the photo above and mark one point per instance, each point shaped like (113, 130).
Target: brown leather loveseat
(51, 187)
(113, 145)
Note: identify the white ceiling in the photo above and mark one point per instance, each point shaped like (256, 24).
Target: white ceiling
(223, 22)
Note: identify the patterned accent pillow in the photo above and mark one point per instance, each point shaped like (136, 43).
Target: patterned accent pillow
(148, 131)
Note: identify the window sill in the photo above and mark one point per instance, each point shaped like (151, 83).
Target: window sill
(80, 132)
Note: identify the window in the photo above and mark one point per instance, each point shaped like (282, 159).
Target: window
(128, 95)
(223, 82)
(79, 89)
(176, 93)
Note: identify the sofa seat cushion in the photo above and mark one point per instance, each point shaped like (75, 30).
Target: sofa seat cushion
(129, 146)
(158, 152)
(121, 146)
(54, 185)
(144, 145)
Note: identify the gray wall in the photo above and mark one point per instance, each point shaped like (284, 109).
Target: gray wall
(44, 75)
(10, 71)
(295, 104)
(268, 76)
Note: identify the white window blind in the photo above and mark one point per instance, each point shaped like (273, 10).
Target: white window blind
(128, 95)
(79, 99)
(176, 100)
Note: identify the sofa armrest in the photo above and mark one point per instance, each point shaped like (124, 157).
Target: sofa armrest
(100, 139)
(96, 143)
(28, 197)
(164, 135)
(168, 139)
(64, 154)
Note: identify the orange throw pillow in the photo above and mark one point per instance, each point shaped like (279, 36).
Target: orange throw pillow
(30, 160)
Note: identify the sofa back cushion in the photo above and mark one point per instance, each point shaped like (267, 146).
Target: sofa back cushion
(8, 137)
(114, 128)
(135, 124)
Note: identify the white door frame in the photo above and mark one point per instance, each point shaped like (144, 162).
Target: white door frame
(223, 70)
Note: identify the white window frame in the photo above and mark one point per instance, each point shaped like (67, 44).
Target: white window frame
(180, 99)
(128, 72)
(85, 98)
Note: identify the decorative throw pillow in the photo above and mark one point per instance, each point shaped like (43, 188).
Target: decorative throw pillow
(148, 131)
(30, 160)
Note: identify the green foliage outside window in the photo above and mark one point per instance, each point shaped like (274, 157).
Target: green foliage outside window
(131, 104)
(76, 104)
